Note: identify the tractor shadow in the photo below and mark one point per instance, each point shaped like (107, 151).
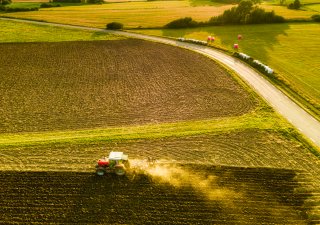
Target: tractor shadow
(198, 195)
(222, 195)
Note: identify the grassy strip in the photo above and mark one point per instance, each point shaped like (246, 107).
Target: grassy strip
(254, 120)
(24, 32)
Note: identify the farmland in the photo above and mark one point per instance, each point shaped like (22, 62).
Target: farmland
(281, 46)
(145, 14)
(239, 177)
(45, 197)
(225, 157)
(21, 32)
(89, 88)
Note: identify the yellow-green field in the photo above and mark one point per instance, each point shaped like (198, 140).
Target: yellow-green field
(131, 14)
(23, 32)
(143, 14)
(290, 49)
(313, 7)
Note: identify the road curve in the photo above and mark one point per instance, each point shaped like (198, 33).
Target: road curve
(298, 117)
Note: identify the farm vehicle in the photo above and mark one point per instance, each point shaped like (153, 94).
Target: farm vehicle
(118, 163)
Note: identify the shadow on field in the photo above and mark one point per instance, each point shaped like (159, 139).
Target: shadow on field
(164, 195)
(261, 37)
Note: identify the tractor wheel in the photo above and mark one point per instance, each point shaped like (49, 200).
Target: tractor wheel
(120, 170)
(100, 171)
(126, 164)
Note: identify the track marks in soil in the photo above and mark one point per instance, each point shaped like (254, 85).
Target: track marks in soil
(249, 148)
(75, 85)
(241, 196)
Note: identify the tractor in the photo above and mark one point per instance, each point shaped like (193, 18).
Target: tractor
(117, 163)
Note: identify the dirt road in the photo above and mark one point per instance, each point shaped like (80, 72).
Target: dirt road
(298, 117)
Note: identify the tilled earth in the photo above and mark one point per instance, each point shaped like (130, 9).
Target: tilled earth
(263, 178)
(190, 195)
(75, 85)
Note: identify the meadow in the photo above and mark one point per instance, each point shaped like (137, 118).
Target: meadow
(143, 14)
(224, 156)
(313, 7)
(20, 32)
(290, 49)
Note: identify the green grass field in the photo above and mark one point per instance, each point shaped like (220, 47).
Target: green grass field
(143, 14)
(313, 7)
(131, 14)
(290, 49)
(23, 32)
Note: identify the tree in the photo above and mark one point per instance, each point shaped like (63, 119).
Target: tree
(182, 23)
(243, 10)
(5, 2)
(295, 5)
(114, 26)
(282, 2)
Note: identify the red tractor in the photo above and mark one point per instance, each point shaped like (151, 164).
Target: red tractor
(117, 163)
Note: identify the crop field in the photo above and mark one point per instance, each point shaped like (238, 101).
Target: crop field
(145, 14)
(313, 7)
(225, 196)
(131, 14)
(24, 32)
(224, 156)
(97, 84)
(237, 178)
(290, 49)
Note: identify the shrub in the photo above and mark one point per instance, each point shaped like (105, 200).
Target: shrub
(6, 2)
(182, 23)
(9, 9)
(295, 5)
(49, 5)
(95, 1)
(246, 13)
(316, 18)
(67, 1)
(114, 26)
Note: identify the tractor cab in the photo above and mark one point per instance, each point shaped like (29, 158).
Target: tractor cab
(117, 163)
(117, 158)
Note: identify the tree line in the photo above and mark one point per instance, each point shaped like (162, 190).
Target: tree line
(247, 12)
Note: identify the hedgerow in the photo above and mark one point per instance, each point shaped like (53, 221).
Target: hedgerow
(114, 26)
(245, 13)
(18, 9)
(316, 18)
(182, 23)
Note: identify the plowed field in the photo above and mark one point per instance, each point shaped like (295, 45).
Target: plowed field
(225, 195)
(253, 172)
(74, 85)
(261, 178)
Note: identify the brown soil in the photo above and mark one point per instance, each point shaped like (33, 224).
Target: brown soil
(249, 148)
(74, 85)
(226, 195)
(248, 177)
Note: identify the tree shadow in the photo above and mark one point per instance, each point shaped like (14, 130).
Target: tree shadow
(258, 40)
